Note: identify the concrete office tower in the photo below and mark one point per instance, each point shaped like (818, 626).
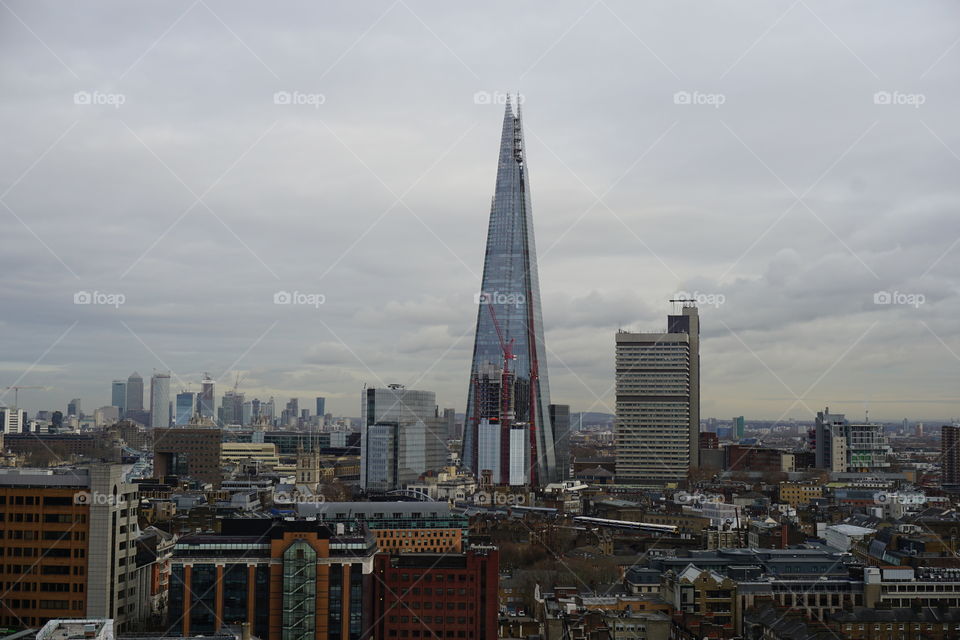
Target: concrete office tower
(186, 406)
(658, 401)
(134, 393)
(401, 437)
(160, 400)
(509, 322)
(13, 420)
(206, 407)
(118, 395)
(73, 408)
(950, 454)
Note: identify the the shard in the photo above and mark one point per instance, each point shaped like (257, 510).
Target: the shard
(508, 437)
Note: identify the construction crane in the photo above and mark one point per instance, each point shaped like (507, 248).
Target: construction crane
(16, 392)
(506, 394)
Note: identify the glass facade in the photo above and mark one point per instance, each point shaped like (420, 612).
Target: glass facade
(300, 592)
(509, 308)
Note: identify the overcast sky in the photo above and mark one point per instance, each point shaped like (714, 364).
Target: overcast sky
(787, 160)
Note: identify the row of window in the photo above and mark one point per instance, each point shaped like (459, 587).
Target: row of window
(415, 633)
(432, 619)
(436, 577)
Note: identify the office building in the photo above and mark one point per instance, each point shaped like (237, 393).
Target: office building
(658, 401)
(841, 446)
(160, 400)
(73, 408)
(231, 408)
(399, 527)
(321, 407)
(508, 374)
(13, 420)
(205, 403)
(186, 405)
(737, 428)
(118, 395)
(950, 454)
(106, 416)
(560, 419)
(69, 545)
(436, 595)
(134, 393)
(288, 579)
(192, 453)
(395, 454)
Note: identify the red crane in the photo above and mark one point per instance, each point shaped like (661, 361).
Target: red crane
(506, 396)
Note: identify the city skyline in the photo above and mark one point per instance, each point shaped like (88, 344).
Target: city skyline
(787, 203)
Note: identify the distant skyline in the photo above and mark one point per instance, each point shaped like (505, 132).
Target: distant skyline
(301, 196)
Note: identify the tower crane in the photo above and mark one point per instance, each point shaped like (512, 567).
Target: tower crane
(16, 392)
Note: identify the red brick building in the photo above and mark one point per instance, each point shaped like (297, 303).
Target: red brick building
(436, 595)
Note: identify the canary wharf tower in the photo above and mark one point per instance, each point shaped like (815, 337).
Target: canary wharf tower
(508, 436)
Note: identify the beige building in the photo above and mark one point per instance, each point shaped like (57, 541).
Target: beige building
(658, 401)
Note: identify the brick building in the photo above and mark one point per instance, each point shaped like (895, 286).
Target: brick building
(432, 596)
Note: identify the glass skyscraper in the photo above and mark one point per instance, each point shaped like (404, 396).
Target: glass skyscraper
(510, 325)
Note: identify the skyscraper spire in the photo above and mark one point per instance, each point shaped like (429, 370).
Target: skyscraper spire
(508, 429)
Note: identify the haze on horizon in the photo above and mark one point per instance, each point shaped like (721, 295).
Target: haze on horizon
(788, 161)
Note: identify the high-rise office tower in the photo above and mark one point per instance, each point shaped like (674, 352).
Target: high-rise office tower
(186, 405)
(450, 418)
(231, 408)
(160, 400)
(508, 376)
(401, 437)
(950, 454)
(321, 406)
(658, 401)
(134, 393)
(73, 407)
(738, 428)
(118, 395)
(206, 407)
